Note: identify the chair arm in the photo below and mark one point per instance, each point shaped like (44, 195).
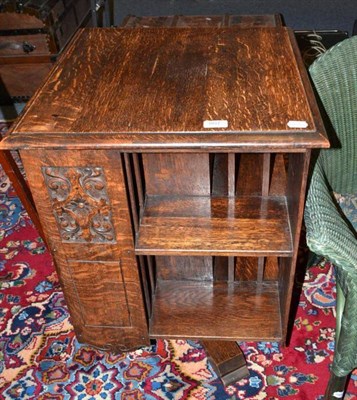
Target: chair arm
(327, 233)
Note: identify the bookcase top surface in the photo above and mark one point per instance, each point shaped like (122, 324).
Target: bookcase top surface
(123, 85)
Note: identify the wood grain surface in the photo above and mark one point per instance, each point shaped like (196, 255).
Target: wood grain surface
(100, 279)
(197, 310)
(177, 174)
(227, 359)
(214, 226)
(141, 81)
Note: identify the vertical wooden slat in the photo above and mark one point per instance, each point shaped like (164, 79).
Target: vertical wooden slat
(231, 264)
(138, 179)
(261, 264)
(220, 269)
(152, 279)
(220, 188)
(266, 174)
(137, 204)
(265, 192)
(219, 185)
(131, 192)
(231, 174)
(277, 187)
(278, 176)
(249, 181)
(145, 285)
(231, 193)
(249, 175)
(271, 269)
(246, 268)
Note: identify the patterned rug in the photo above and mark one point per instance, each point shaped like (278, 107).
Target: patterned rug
(40, 357)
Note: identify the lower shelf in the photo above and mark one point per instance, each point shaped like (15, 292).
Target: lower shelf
(227, 311)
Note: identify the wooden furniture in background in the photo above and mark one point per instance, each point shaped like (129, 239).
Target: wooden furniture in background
(202, 21)
(32, 35)
(169, 169)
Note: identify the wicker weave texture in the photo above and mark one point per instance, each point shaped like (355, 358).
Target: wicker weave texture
(335, 78)
(329, 234)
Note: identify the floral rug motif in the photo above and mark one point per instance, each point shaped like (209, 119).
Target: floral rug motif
(41, 359)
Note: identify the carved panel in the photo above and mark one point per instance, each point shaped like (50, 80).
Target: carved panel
(80, 203)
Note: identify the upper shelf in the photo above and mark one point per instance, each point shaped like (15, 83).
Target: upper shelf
(202, 226)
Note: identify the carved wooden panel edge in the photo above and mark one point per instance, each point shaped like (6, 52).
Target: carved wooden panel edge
(80, 204)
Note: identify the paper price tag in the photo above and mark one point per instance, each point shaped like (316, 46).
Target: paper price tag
(219, 123)
(298, 124)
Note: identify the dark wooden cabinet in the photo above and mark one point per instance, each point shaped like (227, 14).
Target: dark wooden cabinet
(169, 169)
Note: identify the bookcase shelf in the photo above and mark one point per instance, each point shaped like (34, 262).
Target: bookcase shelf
(225, 226)
(228, 311)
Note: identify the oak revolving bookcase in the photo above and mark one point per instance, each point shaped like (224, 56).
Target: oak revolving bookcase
(169, 169)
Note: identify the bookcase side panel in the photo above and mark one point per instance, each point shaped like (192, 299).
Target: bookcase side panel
(81, 200)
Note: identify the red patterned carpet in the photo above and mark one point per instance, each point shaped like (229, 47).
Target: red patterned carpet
(41, 359)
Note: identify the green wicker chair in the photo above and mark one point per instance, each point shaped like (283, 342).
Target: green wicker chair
(329, 233)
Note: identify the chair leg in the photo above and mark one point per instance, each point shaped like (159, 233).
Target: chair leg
(12, 171)
(336, 387)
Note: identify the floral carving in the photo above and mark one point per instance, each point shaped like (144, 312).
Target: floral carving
(80, 203)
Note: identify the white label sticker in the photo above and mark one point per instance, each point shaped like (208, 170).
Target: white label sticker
(219, 123)
(338, 395)
(298, 124)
